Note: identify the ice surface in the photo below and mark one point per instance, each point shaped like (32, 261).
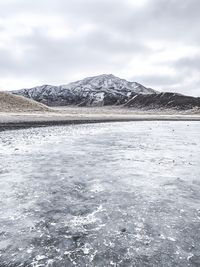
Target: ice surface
(117, 194)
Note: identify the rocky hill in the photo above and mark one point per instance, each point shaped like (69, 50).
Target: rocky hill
(163, 101)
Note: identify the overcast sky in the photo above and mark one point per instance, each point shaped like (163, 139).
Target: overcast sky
(154, 42)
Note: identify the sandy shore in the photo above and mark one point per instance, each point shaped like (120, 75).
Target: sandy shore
(76, 115)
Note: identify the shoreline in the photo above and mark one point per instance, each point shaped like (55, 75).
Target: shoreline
(19, 121)
(83, 115)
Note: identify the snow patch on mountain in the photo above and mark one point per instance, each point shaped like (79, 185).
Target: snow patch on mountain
(105, 89)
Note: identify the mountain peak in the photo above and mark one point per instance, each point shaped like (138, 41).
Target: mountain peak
(107, 81)
(104, 89)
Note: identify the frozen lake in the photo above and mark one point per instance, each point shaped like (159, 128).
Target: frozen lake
(116, 194)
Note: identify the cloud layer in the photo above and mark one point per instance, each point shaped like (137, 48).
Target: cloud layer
(155, 42)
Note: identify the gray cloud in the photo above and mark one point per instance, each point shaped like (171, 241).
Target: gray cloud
(57, 41)
(188, 63)
(158, 80)
(44, 54)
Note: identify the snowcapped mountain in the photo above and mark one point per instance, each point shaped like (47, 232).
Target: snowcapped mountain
(99, 90)
(108, 90)
(106, 81)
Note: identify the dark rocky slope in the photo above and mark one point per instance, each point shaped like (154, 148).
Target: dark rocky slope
(163, 101)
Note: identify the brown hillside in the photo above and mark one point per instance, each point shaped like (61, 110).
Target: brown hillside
(14, 103)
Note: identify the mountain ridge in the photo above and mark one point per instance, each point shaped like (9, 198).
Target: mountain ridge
(105, 90)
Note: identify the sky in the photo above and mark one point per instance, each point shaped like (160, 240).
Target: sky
(153, 42)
